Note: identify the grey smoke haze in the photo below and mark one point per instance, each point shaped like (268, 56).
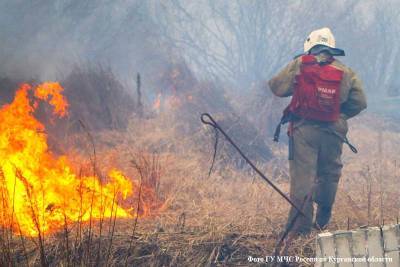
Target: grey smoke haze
(236, 42)
(43, 38)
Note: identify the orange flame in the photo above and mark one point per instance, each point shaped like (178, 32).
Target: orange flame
(39, 192)
(157, 102)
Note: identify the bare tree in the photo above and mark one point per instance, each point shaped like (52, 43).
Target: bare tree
(231, 41)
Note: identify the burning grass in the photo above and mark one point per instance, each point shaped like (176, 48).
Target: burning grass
(41, 193)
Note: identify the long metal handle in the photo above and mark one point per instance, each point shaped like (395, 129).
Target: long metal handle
(207, 119)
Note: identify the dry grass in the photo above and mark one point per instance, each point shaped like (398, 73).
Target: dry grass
(218, 220)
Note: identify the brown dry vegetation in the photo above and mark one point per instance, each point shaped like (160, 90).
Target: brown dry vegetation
(221, 219)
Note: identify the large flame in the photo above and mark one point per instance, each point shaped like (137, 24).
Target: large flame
(39, 192)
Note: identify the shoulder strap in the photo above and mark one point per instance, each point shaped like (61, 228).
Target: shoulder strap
(308, 59)
(311, 59)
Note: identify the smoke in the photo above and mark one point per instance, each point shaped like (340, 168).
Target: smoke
(238, 43)
(45, 38)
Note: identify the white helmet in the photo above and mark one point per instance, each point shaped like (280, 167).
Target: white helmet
(322, 39)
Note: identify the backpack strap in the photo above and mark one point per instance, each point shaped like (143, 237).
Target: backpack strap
(309, 59)
(286, 117)
(344, 139)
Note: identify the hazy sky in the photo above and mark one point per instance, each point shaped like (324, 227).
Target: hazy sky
(45, 37)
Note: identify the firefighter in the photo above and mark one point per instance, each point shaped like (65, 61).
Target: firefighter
(325, 94)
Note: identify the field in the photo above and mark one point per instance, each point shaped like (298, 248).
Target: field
(179, 213)
(199, 220)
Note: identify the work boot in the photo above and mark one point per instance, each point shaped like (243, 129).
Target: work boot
(323, 216)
